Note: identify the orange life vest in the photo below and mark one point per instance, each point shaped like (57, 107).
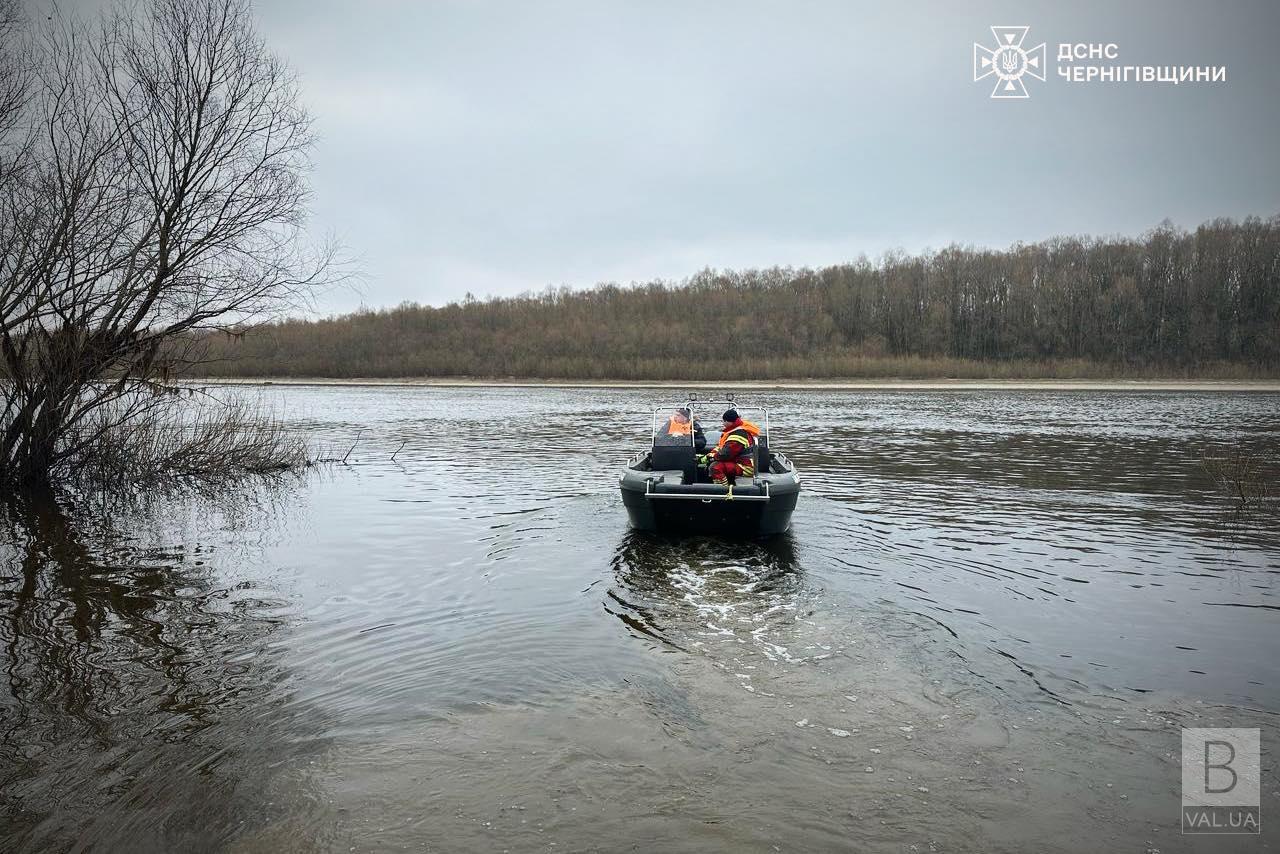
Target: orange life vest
(752, 430)
(675, 428)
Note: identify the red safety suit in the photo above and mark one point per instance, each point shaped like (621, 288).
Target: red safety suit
(735, 453)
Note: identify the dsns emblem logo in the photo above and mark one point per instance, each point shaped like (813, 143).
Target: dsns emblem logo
(1008, 61)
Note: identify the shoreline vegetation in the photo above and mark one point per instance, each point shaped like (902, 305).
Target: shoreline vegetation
(1171, 304)
(867, 384)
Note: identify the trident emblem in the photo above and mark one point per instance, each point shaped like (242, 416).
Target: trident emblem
(1008, 61)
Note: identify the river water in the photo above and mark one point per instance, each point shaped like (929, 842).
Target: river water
(993, 615)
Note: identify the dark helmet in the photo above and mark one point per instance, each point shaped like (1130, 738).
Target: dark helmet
(730, 415)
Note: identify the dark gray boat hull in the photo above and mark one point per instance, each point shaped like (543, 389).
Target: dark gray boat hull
(658, 501)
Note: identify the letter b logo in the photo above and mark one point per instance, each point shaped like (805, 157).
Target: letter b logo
(1221, 780)
(1224, 764)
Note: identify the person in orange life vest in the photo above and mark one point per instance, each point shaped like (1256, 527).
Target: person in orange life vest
(678, 428)
(734, 454)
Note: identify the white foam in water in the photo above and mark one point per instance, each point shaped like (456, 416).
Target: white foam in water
(746, 606)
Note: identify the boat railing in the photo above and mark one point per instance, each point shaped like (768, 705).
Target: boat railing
(660, 414)
(701, 496)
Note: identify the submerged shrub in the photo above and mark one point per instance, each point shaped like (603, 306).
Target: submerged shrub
(174, 439)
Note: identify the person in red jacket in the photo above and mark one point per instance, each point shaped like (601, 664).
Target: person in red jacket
(734, 455)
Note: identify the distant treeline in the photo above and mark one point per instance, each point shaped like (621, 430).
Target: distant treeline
(1171, 303)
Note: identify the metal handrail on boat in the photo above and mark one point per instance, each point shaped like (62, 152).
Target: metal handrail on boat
(703, 497)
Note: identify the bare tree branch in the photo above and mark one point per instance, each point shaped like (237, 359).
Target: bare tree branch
(153, 184)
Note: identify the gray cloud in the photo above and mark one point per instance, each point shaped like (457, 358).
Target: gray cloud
(495, 147)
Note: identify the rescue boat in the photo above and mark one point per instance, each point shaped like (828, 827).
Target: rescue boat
(664, 488)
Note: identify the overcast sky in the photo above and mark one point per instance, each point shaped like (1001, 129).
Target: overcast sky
(495, 147)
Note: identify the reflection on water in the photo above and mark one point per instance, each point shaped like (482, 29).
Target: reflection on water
(399, 653)
(145, 704)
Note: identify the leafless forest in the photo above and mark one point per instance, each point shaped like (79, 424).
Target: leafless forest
(1172, 303)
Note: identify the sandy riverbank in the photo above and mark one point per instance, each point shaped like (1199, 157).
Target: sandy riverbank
(888, 384)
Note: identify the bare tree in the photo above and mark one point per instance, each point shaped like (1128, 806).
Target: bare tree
(165, 196)
(14, 80)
